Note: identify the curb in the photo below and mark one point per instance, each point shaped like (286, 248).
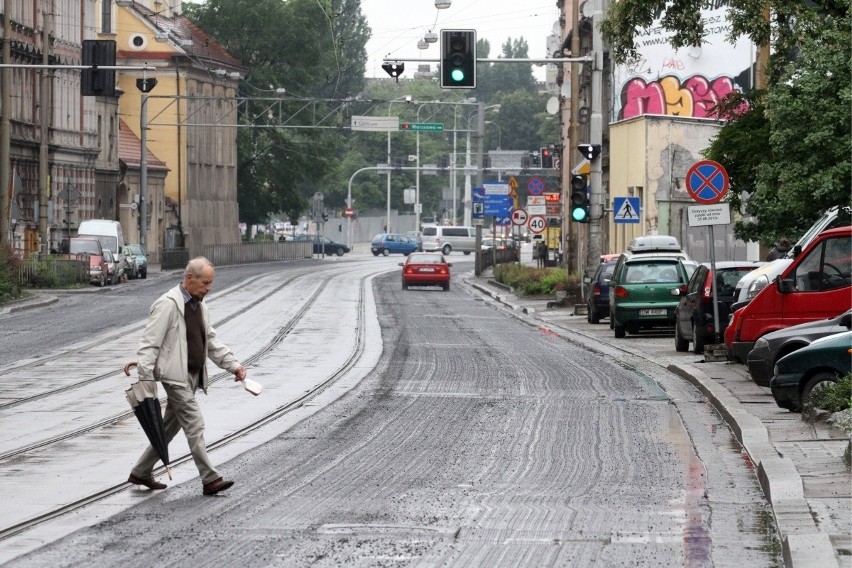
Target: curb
(27, 304)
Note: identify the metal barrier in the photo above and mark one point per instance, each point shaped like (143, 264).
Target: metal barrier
(50, 271)
(173, 258)
(266, 251)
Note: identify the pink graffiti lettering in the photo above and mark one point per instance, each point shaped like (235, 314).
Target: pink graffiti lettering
(695, 96)
(675, 64)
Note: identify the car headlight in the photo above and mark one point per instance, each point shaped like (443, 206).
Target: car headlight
(756, 286)
(761, 343)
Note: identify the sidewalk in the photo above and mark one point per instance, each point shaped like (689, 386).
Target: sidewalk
(799, 464)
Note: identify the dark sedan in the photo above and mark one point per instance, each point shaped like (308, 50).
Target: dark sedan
(772, 346)
(323, 245)
(597, 293)
(694, 312)
(799, 374)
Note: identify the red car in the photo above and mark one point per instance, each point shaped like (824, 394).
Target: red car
(426, 269)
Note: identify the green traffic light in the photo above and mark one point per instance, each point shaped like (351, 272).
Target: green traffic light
(457, 75)
(579, 214)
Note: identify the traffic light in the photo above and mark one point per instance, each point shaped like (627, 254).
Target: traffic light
(96, 82)
(579, 199)
(394, 69)
(590, 151)
(546, 157)
(458, 59)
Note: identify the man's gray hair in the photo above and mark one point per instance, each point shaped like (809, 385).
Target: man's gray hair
(196, 265)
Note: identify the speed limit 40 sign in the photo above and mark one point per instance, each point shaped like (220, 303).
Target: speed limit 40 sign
(537, 224)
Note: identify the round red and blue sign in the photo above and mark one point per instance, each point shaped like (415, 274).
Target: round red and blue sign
(707, 182)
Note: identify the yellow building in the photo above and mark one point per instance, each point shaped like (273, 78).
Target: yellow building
(190, 118)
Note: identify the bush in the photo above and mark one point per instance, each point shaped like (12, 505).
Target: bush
(10, 265)
(529, 281)
(834, 397)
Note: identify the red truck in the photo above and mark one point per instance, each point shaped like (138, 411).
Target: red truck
(818, 284)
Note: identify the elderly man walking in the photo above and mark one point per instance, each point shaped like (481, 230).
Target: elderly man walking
(174, 348)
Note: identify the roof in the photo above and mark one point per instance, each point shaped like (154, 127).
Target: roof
(130, 150)
(191, 39)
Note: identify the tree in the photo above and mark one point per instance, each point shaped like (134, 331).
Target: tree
(314, 50)
(787, 153)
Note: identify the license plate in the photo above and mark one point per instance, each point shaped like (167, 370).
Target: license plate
(429, 269)
(654, 312)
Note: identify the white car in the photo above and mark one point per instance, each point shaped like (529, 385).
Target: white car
(756, 280)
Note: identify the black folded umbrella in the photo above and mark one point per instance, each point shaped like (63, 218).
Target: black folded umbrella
(142, 397)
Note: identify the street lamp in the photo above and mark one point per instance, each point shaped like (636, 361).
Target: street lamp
(499, 134)
(480, 135)
(407, 99)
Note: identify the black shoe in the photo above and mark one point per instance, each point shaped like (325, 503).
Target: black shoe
(148, 482)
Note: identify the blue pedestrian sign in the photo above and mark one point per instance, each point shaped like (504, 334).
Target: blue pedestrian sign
(626, 209)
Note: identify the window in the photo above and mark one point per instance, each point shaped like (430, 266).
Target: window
(827, 267)
(106, 17)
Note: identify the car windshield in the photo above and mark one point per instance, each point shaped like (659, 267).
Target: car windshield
(650, 272)
(136, 249)
(83, 246)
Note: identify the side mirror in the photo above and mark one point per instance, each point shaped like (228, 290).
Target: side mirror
(784, 286)
(402, 264)
(797, 250)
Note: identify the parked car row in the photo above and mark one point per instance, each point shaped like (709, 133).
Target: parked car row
(789, 320)
(106, 267)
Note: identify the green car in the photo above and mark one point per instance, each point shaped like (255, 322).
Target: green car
(137, 261)
(799, 373)
(644, 290)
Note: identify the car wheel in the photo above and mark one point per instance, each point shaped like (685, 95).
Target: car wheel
(681, 344)
(697, 340)
(404, 286)
(447, 250)
(446, 287)
(814, 385)
(594, 317)
(385, 252)
(340, 252)
(102, 282)
(144, 273)
(375, 253)
(619, 330)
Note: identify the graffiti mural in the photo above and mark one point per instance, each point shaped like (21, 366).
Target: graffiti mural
(695, 96)
(689, 81)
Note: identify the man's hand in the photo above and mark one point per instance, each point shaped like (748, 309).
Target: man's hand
(240, 374)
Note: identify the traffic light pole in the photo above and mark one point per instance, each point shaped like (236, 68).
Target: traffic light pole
(596, 208)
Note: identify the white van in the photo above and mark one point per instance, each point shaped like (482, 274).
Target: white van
(449, 238)
(108, 232)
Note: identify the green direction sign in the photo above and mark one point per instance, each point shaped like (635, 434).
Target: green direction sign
(422, 126)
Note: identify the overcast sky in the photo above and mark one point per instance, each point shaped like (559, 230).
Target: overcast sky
(397, 26)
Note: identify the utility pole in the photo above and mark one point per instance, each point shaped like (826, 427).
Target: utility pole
(44, 105)
(568, 151)
(5, 126)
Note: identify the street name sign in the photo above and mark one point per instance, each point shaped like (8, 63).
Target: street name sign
(375, 123)
(499, 188)
(422, 126)
(705, 215)
(497, 205)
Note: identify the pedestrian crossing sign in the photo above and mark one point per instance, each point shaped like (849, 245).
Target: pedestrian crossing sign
(626, 209)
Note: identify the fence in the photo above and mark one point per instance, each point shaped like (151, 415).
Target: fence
(247, 253)
(49, 271)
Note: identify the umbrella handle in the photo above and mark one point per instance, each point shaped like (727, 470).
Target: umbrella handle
(169, 472)
(128, 366)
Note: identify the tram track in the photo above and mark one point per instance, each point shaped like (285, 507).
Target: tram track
(347, 364)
